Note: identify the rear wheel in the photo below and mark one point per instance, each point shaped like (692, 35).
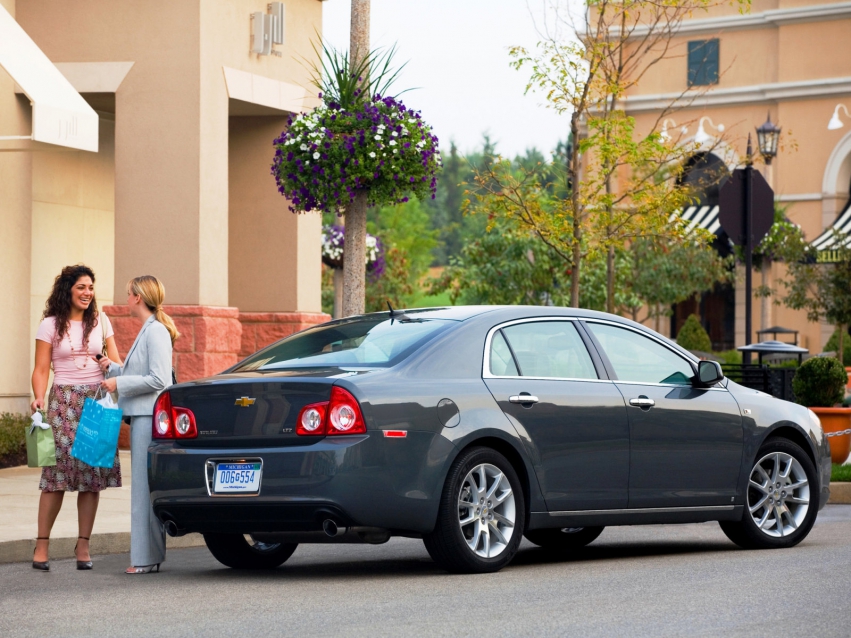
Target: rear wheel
(564, 538)
(782, 499)
(243, 552)
(481, 515)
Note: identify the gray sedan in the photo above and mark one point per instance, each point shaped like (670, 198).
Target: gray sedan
(470, 427)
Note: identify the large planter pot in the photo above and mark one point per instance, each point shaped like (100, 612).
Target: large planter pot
(836, 420)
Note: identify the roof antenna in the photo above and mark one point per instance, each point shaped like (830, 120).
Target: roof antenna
(397, 314)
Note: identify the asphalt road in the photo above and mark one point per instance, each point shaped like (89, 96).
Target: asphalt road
(671, 580)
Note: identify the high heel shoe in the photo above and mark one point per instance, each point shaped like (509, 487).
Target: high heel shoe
(147, 569)
(42, 566)
(82, 564)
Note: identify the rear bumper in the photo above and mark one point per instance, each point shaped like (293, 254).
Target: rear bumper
(363, 480)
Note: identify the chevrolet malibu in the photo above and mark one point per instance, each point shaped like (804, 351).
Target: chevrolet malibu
(471, 427)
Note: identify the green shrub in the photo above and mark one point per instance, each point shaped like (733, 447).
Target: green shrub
(832, 345)
(729, 357)
(820, 382)
(12, 428)
(692, 336)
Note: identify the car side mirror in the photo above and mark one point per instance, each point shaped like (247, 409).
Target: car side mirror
(709, 373)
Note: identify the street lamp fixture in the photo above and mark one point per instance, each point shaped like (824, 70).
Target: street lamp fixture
(702, 137)
(835, 122)
(767, 136)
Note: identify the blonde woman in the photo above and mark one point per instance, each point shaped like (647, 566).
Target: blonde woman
(146, 372)
(71, 332)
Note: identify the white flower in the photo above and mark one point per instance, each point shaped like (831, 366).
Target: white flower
(395, 150)
(392, 142)
(303, 147)
(316, 155)
(394, 134)
(372, 154)
(377, 137)
(306, 163)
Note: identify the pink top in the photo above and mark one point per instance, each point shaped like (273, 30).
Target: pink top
(72, 366)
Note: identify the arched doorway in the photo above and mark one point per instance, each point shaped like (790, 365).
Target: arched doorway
(706, 173)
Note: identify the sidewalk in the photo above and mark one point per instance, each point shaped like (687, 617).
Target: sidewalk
(19, 510)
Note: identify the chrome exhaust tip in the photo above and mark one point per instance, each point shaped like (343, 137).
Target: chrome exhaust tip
(331, 528)
(170, 528)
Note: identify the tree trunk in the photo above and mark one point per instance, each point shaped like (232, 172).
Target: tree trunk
(610, 280)
(574, 274)
(354, 257)
(841, 347)
(765, 302)
(359, 37)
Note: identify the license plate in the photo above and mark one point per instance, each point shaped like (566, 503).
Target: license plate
(237, 478)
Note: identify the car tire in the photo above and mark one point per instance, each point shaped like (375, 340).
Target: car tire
(564, 539)
(481, 516)
(238, 552)
(783, 486)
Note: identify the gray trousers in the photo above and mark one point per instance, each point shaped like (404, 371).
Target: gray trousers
(147, 536)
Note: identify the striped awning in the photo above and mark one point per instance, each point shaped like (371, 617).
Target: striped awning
(834, 237)
(705, 217)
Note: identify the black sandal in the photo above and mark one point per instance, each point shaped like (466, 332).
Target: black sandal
(82, 564)
(42, 566)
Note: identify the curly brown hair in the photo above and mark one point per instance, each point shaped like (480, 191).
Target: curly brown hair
(59, 302)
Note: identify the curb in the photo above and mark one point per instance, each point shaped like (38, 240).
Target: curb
(840, 493)
(21, 551)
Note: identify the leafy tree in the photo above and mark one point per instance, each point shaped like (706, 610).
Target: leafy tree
(832, 345)
(665, 273)
(619, 186)
(823, 290)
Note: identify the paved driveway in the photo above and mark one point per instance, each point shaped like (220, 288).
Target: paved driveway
(633, 581)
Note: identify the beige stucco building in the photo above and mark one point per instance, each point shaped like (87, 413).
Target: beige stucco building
(179, 185)
(784, 58)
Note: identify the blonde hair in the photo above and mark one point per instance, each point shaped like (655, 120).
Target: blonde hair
(153, 294)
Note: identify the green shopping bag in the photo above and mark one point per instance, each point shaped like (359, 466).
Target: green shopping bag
(41, 448)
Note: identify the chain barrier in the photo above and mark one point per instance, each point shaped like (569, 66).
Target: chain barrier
(840, 433)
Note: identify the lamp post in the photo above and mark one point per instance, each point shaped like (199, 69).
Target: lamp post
(767, 136)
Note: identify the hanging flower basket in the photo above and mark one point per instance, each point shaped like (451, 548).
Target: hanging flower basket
(379, 146)
(334, 241)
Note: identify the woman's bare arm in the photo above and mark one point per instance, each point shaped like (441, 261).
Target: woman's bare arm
(41, 374)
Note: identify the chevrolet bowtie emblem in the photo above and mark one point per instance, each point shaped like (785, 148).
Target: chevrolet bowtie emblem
(244, 401)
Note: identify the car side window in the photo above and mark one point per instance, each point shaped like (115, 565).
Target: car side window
(641, 359)
(501, 362)
(550, 349)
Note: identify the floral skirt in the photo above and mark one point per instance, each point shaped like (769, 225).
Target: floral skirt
(64, 407)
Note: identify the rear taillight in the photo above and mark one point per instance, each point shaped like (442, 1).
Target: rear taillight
(171, 422)
(340, 415)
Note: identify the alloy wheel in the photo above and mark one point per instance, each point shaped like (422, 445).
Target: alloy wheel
(486, 510)
(778, 494)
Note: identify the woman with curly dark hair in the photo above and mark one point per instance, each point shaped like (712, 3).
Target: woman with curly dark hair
(70, 336)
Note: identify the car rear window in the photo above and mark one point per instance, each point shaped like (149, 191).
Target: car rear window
(368, 342)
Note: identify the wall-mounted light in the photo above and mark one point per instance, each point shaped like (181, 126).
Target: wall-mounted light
(702, 137)
(267, 29)
(665, 135)
(835, 122)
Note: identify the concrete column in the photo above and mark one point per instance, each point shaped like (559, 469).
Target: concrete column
(16, 333)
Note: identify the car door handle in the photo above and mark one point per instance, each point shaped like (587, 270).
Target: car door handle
(642, 402)
(522, 398)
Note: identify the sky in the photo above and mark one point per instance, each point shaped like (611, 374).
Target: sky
(457, 54)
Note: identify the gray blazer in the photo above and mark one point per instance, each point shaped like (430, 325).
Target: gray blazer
(146, 371)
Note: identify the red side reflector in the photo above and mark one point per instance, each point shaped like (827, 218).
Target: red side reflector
(395, 434)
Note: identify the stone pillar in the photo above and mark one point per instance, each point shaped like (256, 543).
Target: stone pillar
(259, 329)
(209, 342)
(16, 333)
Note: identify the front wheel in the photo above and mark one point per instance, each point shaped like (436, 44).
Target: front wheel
(782, 499)
(481, 516)
(240, 551)
(564, 539)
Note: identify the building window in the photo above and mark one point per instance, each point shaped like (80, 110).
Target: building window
(702, 62)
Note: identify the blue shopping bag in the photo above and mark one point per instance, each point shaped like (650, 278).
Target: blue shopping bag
(97, 433)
